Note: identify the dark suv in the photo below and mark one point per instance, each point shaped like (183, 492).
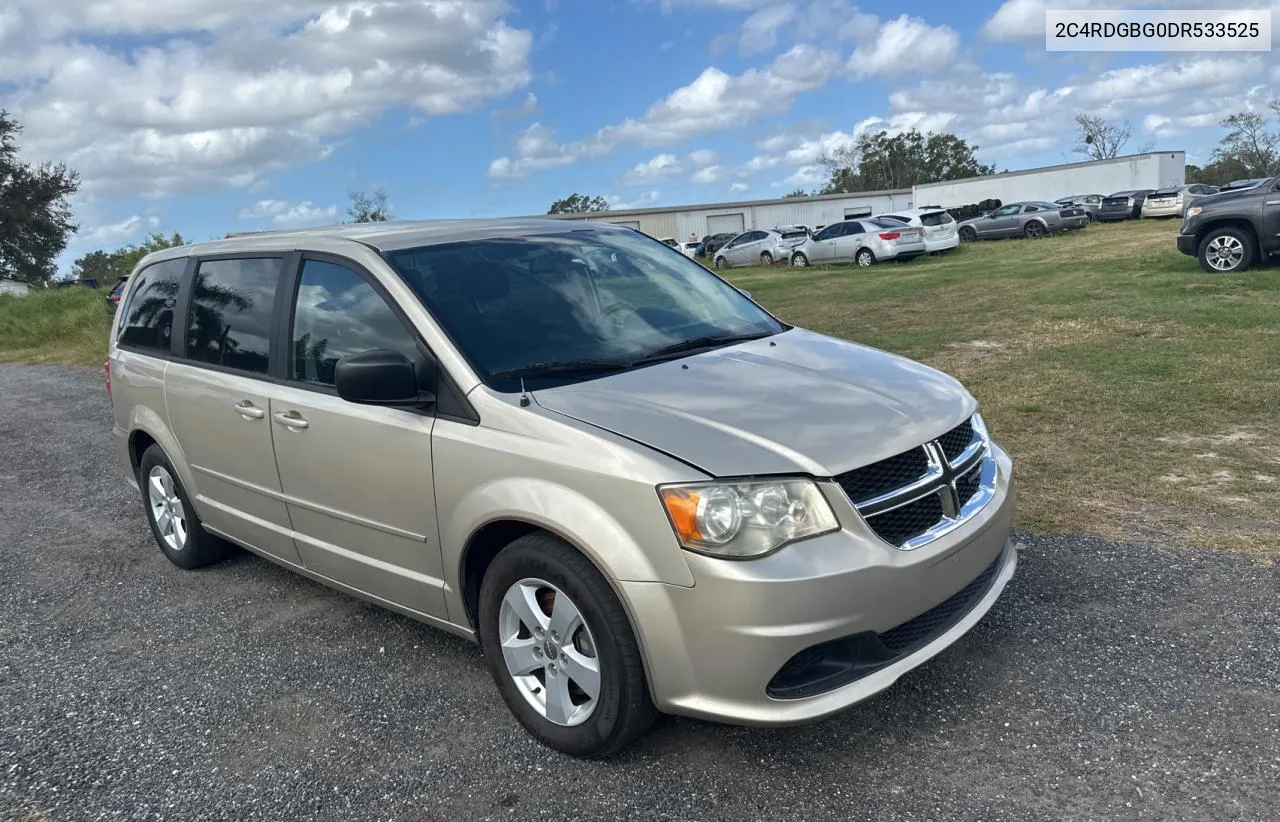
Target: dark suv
(1231, 231)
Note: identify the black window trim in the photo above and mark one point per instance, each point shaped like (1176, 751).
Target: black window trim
(284, 336)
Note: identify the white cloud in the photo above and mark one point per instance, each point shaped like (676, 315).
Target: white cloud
(708, 175)
(702, 157)
(902, 45)
(760, 30)
(645, 200)
(526, 107)
(112, 234)
(232, 89)
(646, 173)
(714, 101)
(736, 187)
(804, 176)
(289, 215)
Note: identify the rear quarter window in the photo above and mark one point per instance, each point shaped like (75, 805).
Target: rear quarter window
(146, 321)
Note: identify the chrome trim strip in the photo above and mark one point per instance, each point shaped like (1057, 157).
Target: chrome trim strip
(931, 475)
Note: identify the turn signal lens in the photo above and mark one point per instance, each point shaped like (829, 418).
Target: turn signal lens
(748, 518)
(1193, 211)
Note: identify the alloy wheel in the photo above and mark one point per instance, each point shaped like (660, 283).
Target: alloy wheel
(1224, 252)
(166, 508)
(549, 652)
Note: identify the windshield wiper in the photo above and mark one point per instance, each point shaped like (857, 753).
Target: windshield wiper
(539, 369)
(698, 343)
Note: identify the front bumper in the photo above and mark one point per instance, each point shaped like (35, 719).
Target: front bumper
(1187, 244)
(712, 650)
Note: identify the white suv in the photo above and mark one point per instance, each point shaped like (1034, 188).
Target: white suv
(939, 228)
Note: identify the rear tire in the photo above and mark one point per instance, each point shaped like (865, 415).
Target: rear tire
(1033, 230)
(1226, 250)
(173, 519)
(864, 258)
(766, 258)
(968, 235)
(553, 699)
(720, 263)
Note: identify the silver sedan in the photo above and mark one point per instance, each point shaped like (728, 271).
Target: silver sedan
(1030, 219)
(865, 242)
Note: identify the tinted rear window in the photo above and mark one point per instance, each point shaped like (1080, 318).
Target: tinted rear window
(936, 218)
(230, 320)
(147, 320)
(791, 235)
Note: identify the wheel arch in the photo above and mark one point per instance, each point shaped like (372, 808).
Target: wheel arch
(1242, 223)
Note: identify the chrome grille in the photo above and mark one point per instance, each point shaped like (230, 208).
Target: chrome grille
(913, 498)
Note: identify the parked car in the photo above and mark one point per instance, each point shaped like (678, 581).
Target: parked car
(113, 296)
(938, 226)
(654, 498)
(684, 248)
(1173, 201)
(713, 242)
(865, 241)
(760, 246)
(1029, 219)
(1123, 205)
(1236, 185)
(1089, 202)
(1231, 231)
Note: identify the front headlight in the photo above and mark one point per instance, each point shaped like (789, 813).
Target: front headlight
(1193, 211)
(746, 518)
(1129, 202)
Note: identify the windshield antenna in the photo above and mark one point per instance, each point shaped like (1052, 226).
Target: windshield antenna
(524, 395)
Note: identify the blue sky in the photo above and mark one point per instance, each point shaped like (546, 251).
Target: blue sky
(208, 116)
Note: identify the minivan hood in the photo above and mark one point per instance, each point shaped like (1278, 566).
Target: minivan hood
(796, 402)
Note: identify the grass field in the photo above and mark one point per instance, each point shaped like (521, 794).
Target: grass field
(1139, 396)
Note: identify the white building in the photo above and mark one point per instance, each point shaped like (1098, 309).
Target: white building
(18, 288)
(1150, 170)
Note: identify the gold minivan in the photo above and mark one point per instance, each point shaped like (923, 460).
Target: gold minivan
(635, 487)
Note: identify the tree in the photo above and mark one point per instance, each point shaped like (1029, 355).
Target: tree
(371, 207)
(1099, 138)
(579, 204)
(35, 212)
(108, 268)
(879, 161)
(799, 192)
(1248, 146)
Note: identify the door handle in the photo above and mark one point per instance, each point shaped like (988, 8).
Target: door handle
(291, 419)
(250, 411)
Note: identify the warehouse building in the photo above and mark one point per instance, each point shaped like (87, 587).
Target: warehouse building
(1137, 171)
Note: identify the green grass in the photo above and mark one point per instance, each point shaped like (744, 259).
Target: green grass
(1139, 395)
(64, 326)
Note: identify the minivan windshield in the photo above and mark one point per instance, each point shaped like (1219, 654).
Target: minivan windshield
(552, 309)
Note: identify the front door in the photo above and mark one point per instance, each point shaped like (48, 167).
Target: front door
(357, 478)
(218, 401)
(1271, 222)
(1002, 222)
(823, 247)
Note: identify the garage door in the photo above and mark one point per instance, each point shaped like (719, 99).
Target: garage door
(725, 224)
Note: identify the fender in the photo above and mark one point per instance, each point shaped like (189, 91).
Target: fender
(583, 523)
(150, 423)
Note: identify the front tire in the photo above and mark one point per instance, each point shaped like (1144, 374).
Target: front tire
(561, 650)
(1226, 251)
(799, 260)
(173, 519)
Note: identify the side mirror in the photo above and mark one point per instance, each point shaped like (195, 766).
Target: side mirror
(379, 377)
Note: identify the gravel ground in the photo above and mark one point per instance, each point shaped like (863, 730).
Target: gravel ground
(1111, 681)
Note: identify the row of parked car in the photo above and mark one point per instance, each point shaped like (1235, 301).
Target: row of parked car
(898, 236)
(1151, 202)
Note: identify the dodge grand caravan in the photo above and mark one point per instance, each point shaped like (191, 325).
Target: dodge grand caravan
(633, 486)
